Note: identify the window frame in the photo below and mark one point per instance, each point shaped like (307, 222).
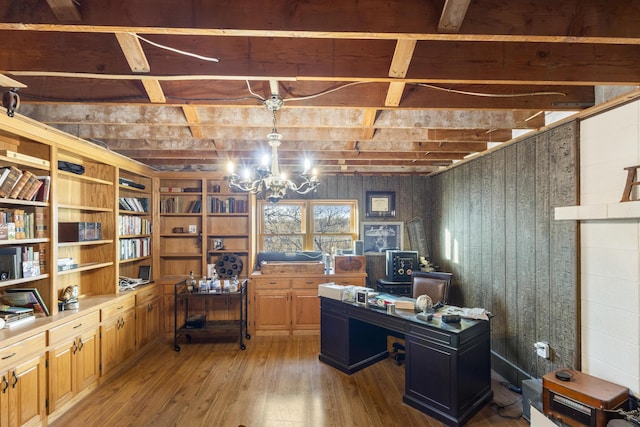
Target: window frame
(307, 225)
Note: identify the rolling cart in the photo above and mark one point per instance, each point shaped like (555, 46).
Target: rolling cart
(193, 312)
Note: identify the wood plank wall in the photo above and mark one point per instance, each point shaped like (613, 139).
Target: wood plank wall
(490, 222)
(493, 228)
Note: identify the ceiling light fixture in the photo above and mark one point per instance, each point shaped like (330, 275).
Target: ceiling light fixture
(270, 182)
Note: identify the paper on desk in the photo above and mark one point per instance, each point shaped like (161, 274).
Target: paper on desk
(469, 313)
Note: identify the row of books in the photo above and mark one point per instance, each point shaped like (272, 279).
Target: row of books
(129, 225)
(25, 185)
(226, 205)
(180, 190)
(135, 204)
(17, 262)
(20, 224)
(135, 248)
(178, 205)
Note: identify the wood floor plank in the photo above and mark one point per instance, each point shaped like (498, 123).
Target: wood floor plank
(276, 381)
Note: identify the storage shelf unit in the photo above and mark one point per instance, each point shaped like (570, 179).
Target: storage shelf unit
(200, 220)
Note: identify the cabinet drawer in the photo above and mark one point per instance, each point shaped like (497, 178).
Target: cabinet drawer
(304, 283)
(121, 306)
(272, 283)
(147, 294)
(16, 353)
(74, 327)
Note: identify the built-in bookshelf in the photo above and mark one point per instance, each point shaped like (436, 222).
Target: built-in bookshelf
(135, 222)
(86, 226)
(227, 223)
(201, 219)
(181, 225)
(25, 238)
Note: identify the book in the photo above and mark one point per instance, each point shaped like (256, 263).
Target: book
(3, 174)
(19, 185)
(40, 222)
(42, 195)
(10, 260)
(28, 297)
(9, 181)
(19, 322)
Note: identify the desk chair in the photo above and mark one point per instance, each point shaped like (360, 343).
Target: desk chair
(436, 286)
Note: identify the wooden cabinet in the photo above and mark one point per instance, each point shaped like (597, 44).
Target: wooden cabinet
(74, 358)
(135, 202)
(118, 333)
(286, 304)
(23, 382)
(147, 315)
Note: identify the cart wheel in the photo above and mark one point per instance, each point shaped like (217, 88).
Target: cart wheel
(248, 336)
(176, 347)
(188, 338)
(242, 346)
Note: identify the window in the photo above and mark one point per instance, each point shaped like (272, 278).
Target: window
(307, 225)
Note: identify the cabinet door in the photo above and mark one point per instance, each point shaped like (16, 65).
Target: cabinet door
(27, 393)
(61, 382)
(109, 344)
(168, 314)
(272, 312)
(127, 335)
(87, 360)
(153, 318)
(4, 399)
(142, 319)
(305, 310)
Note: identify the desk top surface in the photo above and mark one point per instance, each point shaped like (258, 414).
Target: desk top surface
(417, 318)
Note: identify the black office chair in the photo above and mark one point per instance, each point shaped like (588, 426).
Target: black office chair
(436, 285)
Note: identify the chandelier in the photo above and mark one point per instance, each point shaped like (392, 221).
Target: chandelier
(267, 181)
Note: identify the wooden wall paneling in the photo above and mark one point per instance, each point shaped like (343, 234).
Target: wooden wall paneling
(474, 257)
(459, 212)
(486, 239)
(525, 284)
(544, 217)
(498, 260)
(564, 253)
(510, 252)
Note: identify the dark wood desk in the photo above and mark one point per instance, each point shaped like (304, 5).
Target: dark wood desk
(448, 367)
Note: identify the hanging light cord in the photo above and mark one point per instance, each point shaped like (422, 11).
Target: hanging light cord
(172, 49)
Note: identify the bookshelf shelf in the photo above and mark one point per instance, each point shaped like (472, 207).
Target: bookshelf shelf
(133, 260)
(86, 243)
(11, 282)
(84, 208)
(85, 267)
(23, 241)
(84, 178)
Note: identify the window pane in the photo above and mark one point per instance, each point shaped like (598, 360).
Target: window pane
(332, 218)
(281, 218)
(326, 243)
(282, 243)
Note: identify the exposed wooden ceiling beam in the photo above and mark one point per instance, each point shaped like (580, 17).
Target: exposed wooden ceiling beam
(191, 114)
(133, 52)
(65, 10)
(452, 16)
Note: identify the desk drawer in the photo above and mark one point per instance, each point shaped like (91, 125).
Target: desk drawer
(147, 294)
(121, 306)
(74, 327)
(16, 353)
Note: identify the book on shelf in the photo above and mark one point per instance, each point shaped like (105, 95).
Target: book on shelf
(42, 195)
(26, 297)
(171, 189)
(10, 260)
(10, 181)
(22, 185)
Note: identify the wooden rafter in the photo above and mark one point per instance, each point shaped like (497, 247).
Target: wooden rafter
(65, 10)
(453, 14)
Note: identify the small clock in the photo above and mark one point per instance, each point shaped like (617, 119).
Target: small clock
(4, 275)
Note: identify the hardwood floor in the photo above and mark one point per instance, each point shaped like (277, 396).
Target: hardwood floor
(276, 381)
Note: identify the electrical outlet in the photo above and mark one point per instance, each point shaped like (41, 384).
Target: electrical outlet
(542, 349)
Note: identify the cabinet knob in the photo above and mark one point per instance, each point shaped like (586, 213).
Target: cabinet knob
(5, 384)
(15, 379)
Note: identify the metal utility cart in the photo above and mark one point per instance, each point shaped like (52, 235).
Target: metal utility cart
(210, 314)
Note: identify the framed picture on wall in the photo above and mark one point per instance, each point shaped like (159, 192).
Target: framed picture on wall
(381, 204)
(381, 236)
